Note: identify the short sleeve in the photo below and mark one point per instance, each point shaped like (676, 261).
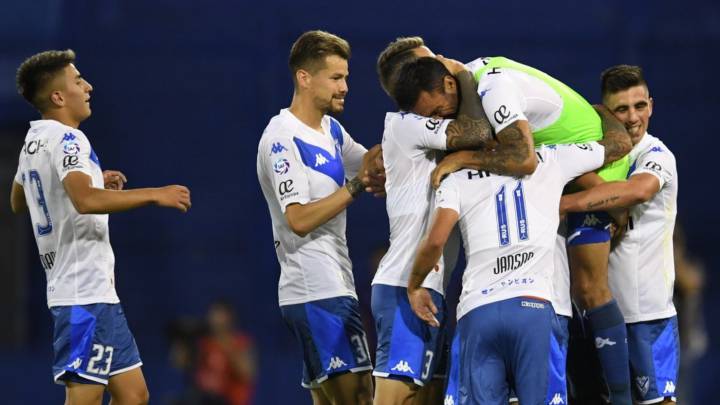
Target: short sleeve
(283, 166)
(352, 154)
(659, 162)
(577, 159)
(448, 194)
(72, 153)
(501, 100)
(18, 174)
(416, 131)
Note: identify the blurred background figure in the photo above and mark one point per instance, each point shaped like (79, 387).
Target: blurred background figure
(226, 359)
(689, 285)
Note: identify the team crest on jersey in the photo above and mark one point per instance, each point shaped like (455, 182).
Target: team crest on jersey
(281, 166)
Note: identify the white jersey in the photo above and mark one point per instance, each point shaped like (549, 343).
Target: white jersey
(74, 249)
(297, 164)
(411, 145)
(562, 302)
(523, 97)
(509, 224)
(642, 267)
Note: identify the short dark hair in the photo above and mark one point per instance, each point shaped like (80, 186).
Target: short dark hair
(422, 74)
(310, 49)
(621, 77)
(37, 71)
(395, 55)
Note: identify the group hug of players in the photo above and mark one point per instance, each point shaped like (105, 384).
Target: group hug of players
(531, 177)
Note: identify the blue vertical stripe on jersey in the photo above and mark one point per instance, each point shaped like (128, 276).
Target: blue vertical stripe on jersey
(520, 212)
(502, 221)
(336, 131)
(94, 157)
(322, 161)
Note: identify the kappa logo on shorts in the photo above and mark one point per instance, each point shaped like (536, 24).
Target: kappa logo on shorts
(669, 388)
(602, 342)
(449, 400)
(643, 384)
(590, 220)
(336, 363)
(557, 399)
(403, 367)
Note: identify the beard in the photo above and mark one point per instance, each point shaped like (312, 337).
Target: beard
(330, 106)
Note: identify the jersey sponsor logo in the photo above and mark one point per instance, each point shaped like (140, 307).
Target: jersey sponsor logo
(477, 173)
(501, 114)
(277, 147)
(285, 187)
(654, 166)
(602, 342)
(33, 147)
(557, 399)
(449, 400)
(320, 160)
(281, 166)
(403, 367)
(335, 363)
(642, 382)
(669, 388)
(70, 161)
(432, 124)
(511, 262)
(47, 260)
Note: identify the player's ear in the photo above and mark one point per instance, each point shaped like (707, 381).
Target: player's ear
(303, 78)
(56, 98)
(449, 84)
(651, 104)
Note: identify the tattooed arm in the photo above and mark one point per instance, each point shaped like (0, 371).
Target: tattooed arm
(618, 194)
(513, 155)
(471, 129)
(615, 137)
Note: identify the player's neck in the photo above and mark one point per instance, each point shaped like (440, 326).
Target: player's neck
(60, 117)
(304, 109)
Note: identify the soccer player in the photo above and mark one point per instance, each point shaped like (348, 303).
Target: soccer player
(642, 269)
(60, 182)
(526, 106)
(408, 351)
(509, 334)
(304, 158)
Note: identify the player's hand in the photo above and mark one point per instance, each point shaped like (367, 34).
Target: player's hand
(173, 197)
(114, 180)
(373, 175)
(423, 305)
(450, 164)
(618, 225)
(452, 65)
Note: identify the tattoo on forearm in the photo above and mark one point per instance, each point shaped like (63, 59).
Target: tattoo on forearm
(615, 137)
(511, 150)
(354, 186)
(467, 133)
(602, 203)
(471, 129)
